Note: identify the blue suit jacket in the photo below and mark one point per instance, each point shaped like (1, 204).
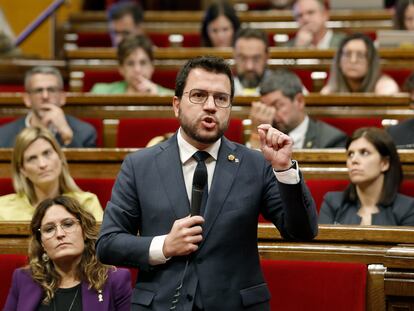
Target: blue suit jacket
(26, 295)
(149, 195)
(84, 134)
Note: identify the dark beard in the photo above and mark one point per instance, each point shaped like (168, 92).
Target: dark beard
(191, 130)
(250, 79)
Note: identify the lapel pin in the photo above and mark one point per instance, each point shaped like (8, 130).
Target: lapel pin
(100, 296)
(232, 158)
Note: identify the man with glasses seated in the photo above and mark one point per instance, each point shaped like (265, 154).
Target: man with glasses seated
(45, 97)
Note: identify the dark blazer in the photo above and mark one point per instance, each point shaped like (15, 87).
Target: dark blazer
(25, 294)
(403, 134)
(400, 213)
(84, 134)
(149, 195)
(334, 43)
(323, 135)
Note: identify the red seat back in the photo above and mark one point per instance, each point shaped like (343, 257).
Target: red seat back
(102, 187)
(136, 133)
(349, 125)
(322, 286)
(319, 187)
(8, 263)
(399, 75)
(6, 186)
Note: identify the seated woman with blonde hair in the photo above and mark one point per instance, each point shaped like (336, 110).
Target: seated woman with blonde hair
(40, 171)
(372, 197)
(356, 69)
(64, 272)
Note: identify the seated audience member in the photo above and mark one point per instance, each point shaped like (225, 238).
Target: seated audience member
(45, 97)
(64, 272)
(40, 171)
(251, 52)
(312, 16)
(126, 18)
(404, 15)
(281, 4)
(283, 105)
(372, 197)
(219, 25)
(135, 57)
(356, 69)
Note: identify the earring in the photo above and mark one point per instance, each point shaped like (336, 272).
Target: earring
(45, 257)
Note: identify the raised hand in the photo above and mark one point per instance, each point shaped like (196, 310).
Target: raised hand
(276, 146)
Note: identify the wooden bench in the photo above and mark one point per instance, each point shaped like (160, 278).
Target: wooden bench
(388, 253)
(346, 111)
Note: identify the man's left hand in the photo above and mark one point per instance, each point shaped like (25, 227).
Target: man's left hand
(276, 146)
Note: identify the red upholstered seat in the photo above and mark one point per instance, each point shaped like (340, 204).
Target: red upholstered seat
(322, 286)
(319, 187)
(136, 133)
(6, 186)
(6, 87)
(102, 187)
(8, 263)
(93, 39)
(4, 120)
(349, 125)
(399, 75)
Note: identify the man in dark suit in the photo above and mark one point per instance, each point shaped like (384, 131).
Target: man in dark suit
(283, 105)
(211, 260)
(45, 97)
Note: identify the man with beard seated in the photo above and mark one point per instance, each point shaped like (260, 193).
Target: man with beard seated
(282, 104)
(251, 52)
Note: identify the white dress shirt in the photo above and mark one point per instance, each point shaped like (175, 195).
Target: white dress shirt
(186, 150)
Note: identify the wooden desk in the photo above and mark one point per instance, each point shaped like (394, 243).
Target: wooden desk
(106, 162)
(389, 252)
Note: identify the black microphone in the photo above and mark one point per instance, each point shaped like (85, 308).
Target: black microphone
(199, 183)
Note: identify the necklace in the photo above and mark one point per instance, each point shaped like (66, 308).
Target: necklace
(71, 305)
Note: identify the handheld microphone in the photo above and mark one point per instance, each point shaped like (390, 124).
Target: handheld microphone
(199, 183)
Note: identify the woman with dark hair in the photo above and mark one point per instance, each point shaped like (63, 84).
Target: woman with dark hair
(404, 15)
(356, 68)
(136, 65)
(372, 197)
(219, 25)
(64, 272)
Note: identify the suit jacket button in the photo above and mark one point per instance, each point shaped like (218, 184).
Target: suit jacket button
(189, 297)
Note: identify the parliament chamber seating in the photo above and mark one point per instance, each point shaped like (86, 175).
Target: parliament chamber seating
(350, 124)
(8, 263)
(97, 123)
(312, 285)
(138, 132)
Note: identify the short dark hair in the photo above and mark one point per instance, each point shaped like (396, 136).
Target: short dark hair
(215, 10)
(130, 44)
(120, 9)
(251, 33)
(383, 143)
(283, 80)
(209, 63)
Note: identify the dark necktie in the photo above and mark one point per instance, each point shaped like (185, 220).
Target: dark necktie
(199, 183)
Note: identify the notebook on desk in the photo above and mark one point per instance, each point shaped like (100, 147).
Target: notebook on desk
(395, 38)
(356, 5)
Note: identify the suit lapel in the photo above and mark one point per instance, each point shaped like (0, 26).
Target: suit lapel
(171, 176)
(228, 163)
(310, 135)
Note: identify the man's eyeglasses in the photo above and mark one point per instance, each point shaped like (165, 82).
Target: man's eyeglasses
(51, 90)
(49, 230)
(221, 100)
